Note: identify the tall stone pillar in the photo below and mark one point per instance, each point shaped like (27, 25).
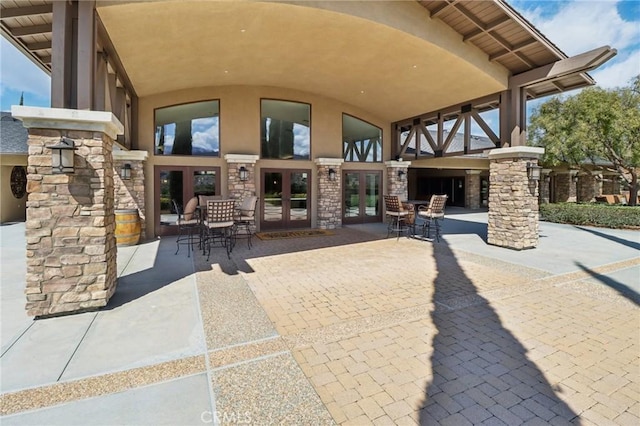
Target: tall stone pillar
(566, 186)
(238, 188)
(130, 193)
(587, 187)
(472, 189)
(329, 192)
(70, 227)
(397, 178)
(513, 199)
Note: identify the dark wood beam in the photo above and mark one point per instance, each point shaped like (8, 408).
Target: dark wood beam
(514, 49)
(61, 53)
(439, 10)
(41, 45)
(493, 25)
(32, 30)
(85, 58)
(16, 12)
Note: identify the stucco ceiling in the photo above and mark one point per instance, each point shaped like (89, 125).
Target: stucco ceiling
(178, 45)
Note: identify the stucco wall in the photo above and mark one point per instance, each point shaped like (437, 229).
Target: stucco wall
(240, 133)
(11, 208)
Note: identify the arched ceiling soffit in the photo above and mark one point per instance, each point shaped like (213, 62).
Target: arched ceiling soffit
(173, 45)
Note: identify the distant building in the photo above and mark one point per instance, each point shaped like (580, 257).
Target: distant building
(13, 162)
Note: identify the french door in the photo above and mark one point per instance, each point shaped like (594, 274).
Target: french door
(180, 183)
(285, 199)
(361, 196)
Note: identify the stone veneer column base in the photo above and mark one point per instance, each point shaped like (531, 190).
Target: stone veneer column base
(238, 189)
(395, 184)
(329, 193)
(513, 201)
(70, 227)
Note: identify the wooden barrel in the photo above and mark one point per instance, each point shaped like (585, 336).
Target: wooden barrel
(127, 227)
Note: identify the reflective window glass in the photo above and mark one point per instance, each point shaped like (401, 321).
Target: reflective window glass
(361, 141)
(189, 129)
(285, 130)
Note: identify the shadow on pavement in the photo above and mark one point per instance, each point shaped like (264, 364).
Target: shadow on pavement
(480, 371)
(622, 289)
(632, 244)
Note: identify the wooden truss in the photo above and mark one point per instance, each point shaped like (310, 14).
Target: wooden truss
(413, 138)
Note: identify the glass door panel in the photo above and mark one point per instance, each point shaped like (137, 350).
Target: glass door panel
(298, 210)
(361, 197)
(351, 195)
(180, 183)
(372, 189)
(272, 196)
(285, 199)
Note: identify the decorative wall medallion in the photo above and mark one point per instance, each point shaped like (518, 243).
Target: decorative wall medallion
(18, 181)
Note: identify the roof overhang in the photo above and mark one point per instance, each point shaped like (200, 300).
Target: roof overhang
(395, 59)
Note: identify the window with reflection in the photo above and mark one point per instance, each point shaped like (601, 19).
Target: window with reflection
(285, 130)
(188, 129)
(361, 141)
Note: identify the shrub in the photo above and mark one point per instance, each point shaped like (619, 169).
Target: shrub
(601, 215)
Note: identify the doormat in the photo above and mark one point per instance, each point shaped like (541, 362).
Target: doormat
(281, 235)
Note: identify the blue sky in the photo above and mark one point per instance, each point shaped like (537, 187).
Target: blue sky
(575, 26)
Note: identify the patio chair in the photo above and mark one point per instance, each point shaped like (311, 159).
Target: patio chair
(396, 215)
(245, 219)
(433, 213)
(218, 226)
(188, 223)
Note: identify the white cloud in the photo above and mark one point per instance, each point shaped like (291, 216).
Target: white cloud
(19, 73)
(619, 73)
(580, 26)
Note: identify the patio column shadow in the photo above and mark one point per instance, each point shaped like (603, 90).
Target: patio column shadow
(480, 371)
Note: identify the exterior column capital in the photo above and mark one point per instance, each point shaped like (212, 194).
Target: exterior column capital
(329, 161)
(241, 158)
(68, 119)
(122, 155)
(515, 152)
(397, 164)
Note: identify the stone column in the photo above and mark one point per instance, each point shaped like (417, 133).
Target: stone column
(610, 184)
(587, 188)
(237, 188)
(70, 227)
(129, 194)
(397, 178)
(566, 186)
(329, 193)
(472, 189)
(513, 200)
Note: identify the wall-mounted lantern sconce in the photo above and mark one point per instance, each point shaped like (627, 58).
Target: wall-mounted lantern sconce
(533, 172)
(547, 178)
(332, 174)
(402, 175)
(574, 178)
(62, 156)
(125, 172)
(244, 173)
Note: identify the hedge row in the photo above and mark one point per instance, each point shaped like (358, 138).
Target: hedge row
(604, 216)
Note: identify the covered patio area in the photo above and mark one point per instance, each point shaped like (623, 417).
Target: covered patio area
(350, 328)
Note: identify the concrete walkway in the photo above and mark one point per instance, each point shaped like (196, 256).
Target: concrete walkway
(349, 328)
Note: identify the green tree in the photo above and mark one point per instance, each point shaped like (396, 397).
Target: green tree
(590, 128)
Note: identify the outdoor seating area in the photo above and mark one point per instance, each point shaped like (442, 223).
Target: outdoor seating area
(410, 216)
(210, 220)
(614, 199)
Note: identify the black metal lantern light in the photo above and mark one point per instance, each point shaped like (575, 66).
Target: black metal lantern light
(402, 175)
(244, 173)
(62, 156)
(533, 172)
(332, 174)
(125, 172)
